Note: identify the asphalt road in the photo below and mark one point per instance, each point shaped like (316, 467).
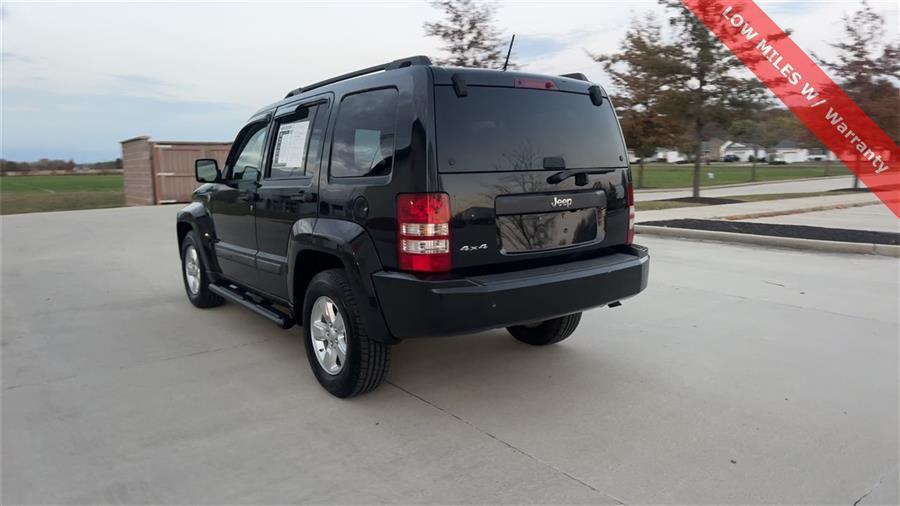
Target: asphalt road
(741, 375)
(805, 186)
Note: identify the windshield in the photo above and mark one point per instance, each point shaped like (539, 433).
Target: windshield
(510, 129)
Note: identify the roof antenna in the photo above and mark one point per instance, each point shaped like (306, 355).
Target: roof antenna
(508, 52)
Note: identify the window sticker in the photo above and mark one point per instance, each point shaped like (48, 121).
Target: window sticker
(290, 145)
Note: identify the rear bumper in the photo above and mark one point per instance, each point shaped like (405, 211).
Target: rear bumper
(416, 307)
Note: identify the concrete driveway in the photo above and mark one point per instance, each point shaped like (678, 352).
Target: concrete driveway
(741, 375)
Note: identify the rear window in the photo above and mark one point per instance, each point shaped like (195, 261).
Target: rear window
(511, 129)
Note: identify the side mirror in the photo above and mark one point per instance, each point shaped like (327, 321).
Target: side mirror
(250, 173)
(206, 170)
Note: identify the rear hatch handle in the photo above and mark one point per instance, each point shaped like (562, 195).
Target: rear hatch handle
(579, 174)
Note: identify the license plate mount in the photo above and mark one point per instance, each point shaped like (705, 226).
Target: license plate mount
(525, 233)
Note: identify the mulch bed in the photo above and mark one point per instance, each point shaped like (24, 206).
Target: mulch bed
(769, 229)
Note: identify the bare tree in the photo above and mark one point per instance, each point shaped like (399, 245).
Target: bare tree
(867, 66)
(469, 34)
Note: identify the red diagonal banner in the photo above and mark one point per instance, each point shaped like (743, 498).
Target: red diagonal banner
(807, 91)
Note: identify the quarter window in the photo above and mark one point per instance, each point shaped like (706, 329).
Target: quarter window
(364, 134)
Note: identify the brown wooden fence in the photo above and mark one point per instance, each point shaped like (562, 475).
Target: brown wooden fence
(160, 172)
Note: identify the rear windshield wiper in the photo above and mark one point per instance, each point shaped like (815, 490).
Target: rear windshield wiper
(579, 174)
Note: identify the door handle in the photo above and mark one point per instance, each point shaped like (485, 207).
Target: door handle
(301, 196)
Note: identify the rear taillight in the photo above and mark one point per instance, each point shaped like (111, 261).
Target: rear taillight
(423, 232)
(629, 238)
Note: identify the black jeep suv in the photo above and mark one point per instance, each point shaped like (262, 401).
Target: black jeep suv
(408, 200)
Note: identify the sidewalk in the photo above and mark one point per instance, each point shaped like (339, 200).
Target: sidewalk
(875, 218)
(819, 184)
(846, 223)
(751, 208)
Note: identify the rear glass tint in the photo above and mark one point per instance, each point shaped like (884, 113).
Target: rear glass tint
(510, 129)
(364, 134)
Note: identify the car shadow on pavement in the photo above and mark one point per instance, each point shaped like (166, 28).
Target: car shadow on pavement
(487, 370)
(491, 369)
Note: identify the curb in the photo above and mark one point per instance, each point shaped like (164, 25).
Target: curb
(859, 248)
(736, 185)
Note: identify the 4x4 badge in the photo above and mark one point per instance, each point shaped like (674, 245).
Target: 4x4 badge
(473, 248)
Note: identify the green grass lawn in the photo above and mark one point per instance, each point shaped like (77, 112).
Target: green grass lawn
(667, 175)
(31, 194)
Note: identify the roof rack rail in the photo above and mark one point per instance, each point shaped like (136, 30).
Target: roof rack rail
(396, 64)
(576, 75)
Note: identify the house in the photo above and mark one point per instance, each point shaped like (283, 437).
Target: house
(743, 150)
(711, 150)
(820, 155)
(669, 155)
(789, 152)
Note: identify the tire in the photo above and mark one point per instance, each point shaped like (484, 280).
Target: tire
(197, 289)
(329, 305)
(546, 332)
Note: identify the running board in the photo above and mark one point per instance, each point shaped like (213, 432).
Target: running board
(239, 297)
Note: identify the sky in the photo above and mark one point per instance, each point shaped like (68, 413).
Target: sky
(79, 77)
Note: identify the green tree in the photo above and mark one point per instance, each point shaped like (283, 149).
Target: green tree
(809, 140)
(768, 128)
(640, 74)
(706, 87)
(752, 132)
(469, 34)
(779, 125)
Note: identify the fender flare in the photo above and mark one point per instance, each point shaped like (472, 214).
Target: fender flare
(352, 245)
(195, 215)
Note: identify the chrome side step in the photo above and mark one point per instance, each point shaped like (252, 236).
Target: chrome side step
(244, 299)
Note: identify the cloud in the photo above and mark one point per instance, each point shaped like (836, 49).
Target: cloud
(535, 46)
(141, 80)
(195, 71)
(88, 127)
(7, 57)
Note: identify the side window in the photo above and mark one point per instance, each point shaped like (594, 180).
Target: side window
(364, 134)
(248, 161)
(289, 154)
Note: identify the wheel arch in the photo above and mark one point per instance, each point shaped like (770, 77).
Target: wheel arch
(310, 262)
(194, 218)
(183, 228)
(321, 244)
